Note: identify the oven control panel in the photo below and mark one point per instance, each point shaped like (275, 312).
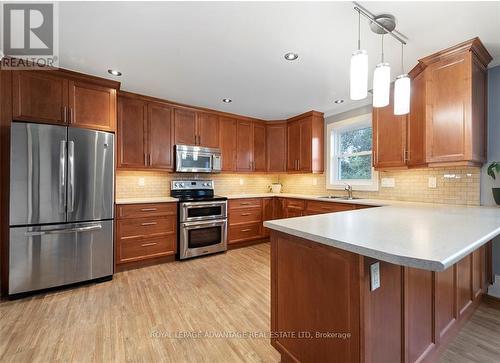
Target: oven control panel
(192, 184)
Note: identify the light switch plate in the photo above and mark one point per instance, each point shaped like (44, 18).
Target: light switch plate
(388, 182)
(375, 275)
(432, 182)
(142, 182)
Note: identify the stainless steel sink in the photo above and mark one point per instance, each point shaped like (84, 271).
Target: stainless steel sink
(337, 197)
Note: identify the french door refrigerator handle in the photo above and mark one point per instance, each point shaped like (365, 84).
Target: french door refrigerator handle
(62, 176)
(71, 176)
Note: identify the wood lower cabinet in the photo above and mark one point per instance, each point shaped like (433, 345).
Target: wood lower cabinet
(305, 140)
(145, 231)
(268, 213)
(92, 106)
(276, 147)
(245, 220)
(64, 97)
(227, 138)
(294, 208)
(145, 134)
(314, 207)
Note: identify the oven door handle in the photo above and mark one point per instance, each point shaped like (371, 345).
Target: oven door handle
(204, 224)
(202, 204)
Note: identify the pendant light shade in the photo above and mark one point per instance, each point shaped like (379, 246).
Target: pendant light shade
(381, 85)
(359, 75)
(402, 95)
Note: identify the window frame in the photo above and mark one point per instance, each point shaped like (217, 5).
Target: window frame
(333, 131)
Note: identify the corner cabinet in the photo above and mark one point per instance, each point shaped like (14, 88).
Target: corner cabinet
(276, 141)
(446, 125)
(145, 134)
(64, 97)
(305, 140)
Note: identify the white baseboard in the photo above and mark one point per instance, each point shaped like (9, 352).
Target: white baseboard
(494, 290)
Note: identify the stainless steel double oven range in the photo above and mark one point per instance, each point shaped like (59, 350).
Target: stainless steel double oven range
(202, 218)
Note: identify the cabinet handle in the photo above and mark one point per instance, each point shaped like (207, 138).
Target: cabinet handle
(145, 159)
(246, 230)
(199, 140)
(148, 209)
(149, 244)
(149, 159)
(245, 214)
(149, 224)
(70, 111)
(245, 203)
(63, 113)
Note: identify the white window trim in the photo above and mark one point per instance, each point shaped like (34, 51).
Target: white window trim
(334, 182)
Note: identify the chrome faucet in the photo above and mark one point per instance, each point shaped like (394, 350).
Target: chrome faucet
(348, 189)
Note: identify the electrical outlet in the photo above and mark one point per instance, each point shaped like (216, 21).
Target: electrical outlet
(432, 182)
(375, 275)
(315, 181)
(142, 182)
(388, 182)
(242, 181)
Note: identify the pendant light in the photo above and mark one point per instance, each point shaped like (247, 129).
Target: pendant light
(381, 82)
(402, 91)
(359, 69)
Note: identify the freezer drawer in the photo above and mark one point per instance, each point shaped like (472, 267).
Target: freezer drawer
(56, 255)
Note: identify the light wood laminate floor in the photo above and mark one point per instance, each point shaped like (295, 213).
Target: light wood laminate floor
(130, 318)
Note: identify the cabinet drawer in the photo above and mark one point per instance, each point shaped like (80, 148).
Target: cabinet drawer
(145, 227)
(140, 249)
(328, 207)
(295, 204)
(245, 215)
(145, 210)
(245, 203)
(244, 232)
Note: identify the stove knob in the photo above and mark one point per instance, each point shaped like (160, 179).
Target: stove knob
(176, 185)
(182, 185)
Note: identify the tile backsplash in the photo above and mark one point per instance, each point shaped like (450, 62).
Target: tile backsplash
(454, 185)
(138, 184)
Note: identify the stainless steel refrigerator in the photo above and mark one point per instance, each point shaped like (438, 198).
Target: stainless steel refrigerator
(61, 206)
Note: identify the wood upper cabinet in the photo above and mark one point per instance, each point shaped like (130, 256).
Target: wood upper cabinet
(259, 146)
(62, 97)
(39, 96)
(132, 133)
(456, 97)
(207, 130)
(160, 136)
(389, 137)
(196, 128)
(145, 134)
(305, 140)
(244, 145)
(92, 106)
(227, 138)
(276, 138)
(185, 127)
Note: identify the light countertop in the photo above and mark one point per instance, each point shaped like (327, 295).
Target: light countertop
(145, 200)
(427, 236)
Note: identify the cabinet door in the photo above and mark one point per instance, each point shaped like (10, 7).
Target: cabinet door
(447, 96)
(185, 127)
(208, 130)
(416, 122)
(227, 137)
(132, 125)
(39, 96)
(259, 147)
(389, 137)
(293, 142)
(276, 147)
(160, 136)
(244, 145)
(305, 160)
(92, 106)
(267, 213)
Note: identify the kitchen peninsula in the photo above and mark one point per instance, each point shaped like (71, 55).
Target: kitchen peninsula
(387, 284)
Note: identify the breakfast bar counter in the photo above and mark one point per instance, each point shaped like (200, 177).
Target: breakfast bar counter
(384, 284)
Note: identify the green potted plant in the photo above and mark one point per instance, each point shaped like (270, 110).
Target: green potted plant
(493, 169)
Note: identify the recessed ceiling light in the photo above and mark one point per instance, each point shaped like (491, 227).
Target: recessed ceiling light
(114, 72)
(339, 101)
(291, 56)
(227, 100)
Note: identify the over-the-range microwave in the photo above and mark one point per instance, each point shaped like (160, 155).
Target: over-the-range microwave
(196, 159)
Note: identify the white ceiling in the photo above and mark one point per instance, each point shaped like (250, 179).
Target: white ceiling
(198, 53)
